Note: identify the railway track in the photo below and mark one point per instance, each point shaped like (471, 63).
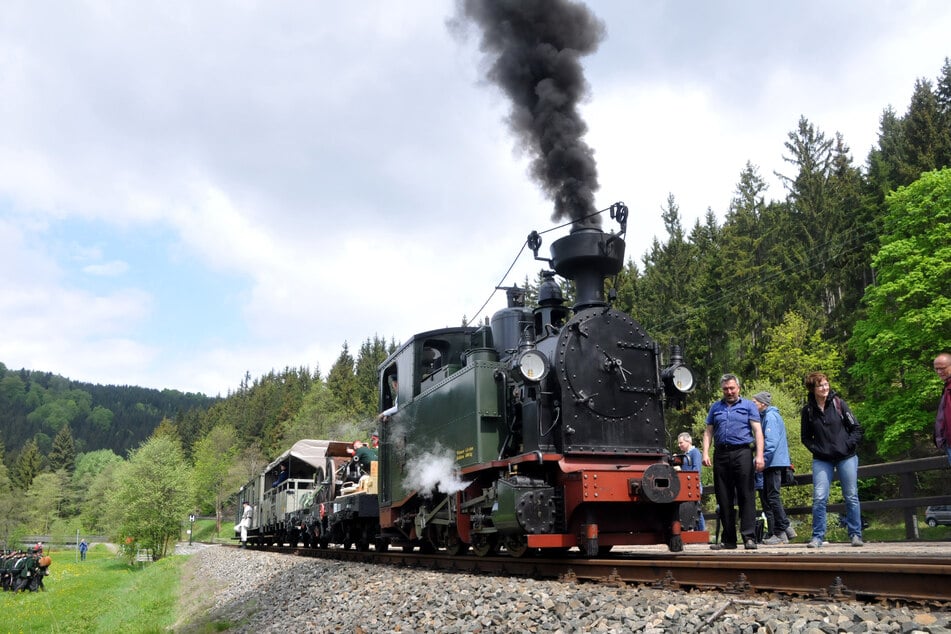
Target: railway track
(866, 577)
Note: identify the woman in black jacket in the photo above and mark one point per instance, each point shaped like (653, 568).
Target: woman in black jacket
(831, 433)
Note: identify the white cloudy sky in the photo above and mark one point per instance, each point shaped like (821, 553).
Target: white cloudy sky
(193, 190)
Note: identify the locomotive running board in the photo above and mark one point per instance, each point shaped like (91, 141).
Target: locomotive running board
(564, 540)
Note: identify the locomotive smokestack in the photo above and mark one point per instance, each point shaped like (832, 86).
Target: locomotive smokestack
(587, 256)
(534, 47)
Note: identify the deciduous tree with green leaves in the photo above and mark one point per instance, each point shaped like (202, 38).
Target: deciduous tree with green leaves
(44, 498)
(91, 482)
(153, 495)
(793, 351)
(215, 480)
(908, 317)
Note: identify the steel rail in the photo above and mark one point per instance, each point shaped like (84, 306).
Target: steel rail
(861, 577)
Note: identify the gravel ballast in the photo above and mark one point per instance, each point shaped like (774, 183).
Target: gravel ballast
(234, 590)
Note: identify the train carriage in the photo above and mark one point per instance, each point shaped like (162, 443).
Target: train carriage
(279, 508)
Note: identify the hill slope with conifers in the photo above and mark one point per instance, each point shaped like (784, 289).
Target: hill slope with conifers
(36, 406)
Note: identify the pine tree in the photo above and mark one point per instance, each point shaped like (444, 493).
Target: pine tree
(746, 246)
(943, 99)
(28, 465)
(373, 352)
(943, 89)
(922, 137)
(63, 453)
(342, 382)
(886, 162)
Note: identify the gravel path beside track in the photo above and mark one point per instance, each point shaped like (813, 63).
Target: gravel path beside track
(251, 591)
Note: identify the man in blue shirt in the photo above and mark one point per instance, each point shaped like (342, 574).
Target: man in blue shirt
(733, 424)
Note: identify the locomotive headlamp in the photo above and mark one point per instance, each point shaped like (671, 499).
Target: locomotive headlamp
(682, 378)
(678, 379)
(533, 365)
(677, 375)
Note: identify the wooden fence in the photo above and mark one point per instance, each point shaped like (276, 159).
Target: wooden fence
(906, 500)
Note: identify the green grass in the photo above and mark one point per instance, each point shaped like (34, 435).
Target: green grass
(879, 530)
(101, 594)
(204, 531)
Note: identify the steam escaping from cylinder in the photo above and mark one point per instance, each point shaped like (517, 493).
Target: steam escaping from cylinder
(534, 48)
(434, 471)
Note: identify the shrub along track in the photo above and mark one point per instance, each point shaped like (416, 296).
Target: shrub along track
(862, 577)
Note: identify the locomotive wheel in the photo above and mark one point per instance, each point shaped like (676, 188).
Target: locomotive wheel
(363, 541)
(381, 545)
(408, 548)
(604, 550)
(516, 545)
(675, 543)
(484, 545)
(454, 545)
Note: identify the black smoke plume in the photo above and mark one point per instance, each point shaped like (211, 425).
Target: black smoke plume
(533, 48)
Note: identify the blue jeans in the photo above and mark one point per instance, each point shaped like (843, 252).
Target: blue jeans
(848, 470)
(949, 455)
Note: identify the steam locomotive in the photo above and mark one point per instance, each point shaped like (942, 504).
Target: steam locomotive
(543, 430)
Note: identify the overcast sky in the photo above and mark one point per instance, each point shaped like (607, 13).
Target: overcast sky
(193, 190)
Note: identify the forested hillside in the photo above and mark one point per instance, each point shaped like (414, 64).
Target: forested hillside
(848, 272)
(36, 406)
